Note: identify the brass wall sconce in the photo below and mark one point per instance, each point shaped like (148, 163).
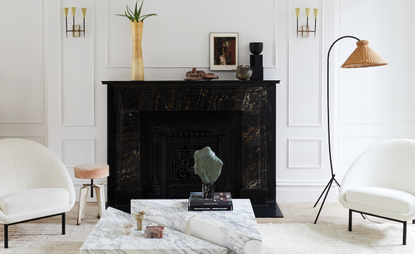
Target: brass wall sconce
(76, 29)
(305, 30)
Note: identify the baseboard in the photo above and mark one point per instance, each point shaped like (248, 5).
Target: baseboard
(304, 191)
(287, 191)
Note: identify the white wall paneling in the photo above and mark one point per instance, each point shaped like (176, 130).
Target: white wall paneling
(304, 73)
(37, 138)
(368, 105)
(77, 67)
(381, 94)
(179, 35)
(77, 151)
(298, 190)
(304, 153)
(372, 105)
(350, 147)
(21, 65)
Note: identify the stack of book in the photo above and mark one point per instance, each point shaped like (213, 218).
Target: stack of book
(221, 201)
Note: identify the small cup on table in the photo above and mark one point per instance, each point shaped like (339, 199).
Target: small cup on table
(139, 217)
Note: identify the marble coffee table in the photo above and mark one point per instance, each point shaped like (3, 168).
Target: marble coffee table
(235, 230)
(107, 237)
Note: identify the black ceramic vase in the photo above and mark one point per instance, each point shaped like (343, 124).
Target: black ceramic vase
(256, 47)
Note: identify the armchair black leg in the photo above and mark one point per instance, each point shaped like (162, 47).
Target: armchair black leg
(63, 223)
(6, 233)
(405, 223)
(6, 236)
(404, 232)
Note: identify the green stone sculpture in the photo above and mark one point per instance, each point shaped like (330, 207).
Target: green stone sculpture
(207, 165)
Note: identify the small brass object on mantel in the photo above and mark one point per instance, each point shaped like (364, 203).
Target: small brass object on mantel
(199, 75)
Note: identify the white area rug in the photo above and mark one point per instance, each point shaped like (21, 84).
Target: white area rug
(293, 238)
(36, 238)
(331, 238)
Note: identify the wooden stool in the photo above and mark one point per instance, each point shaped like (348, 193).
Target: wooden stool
(91, 171)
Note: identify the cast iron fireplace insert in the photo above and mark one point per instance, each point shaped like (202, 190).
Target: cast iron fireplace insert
(154, 127)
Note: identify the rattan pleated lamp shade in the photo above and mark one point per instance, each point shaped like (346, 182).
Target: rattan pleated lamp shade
(363, 56)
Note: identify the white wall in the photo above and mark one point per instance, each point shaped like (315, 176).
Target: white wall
(367, 105)
(374, 104)
(302, 169)
(50, 88)
(23, 104)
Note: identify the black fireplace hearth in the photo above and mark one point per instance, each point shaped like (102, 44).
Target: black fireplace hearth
(154, 127)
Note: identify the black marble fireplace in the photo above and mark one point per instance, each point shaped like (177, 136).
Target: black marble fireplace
(154, 127)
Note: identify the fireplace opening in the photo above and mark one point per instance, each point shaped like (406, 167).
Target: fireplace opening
(169, 140)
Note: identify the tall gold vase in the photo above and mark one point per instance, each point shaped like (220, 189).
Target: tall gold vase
(137, 68)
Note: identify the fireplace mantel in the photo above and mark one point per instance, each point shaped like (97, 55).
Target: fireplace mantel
(128, 102)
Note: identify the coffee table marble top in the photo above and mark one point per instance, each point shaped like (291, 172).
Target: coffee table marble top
(235, 230)
(107, 237)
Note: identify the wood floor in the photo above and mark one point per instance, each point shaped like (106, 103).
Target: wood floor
(332, 213)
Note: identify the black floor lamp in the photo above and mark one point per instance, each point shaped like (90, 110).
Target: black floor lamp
(363, 56)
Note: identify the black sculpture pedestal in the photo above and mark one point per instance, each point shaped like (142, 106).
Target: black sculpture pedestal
(256, 66)
(256, 60)
(207, 190)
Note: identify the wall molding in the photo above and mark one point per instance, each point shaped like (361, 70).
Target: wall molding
(367, 141)
(343, 118)
(90, 20)
(41, 88)
(186, 65)
(63, 152)
(304, 190)
(304, 182)
(320, 32)
(39, 138)
(290, 153)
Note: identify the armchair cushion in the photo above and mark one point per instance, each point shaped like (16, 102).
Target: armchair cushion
(33, 200)
(391, 200)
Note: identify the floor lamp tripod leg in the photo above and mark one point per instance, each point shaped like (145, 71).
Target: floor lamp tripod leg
(324, 200)
(338, 184)
(327, 186)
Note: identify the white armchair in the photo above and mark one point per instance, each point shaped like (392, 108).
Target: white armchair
(381, 183)
(34, 184)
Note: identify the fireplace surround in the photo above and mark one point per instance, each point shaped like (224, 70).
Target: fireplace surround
(154, 127)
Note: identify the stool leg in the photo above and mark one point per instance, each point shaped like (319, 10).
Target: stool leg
(99, 191)
(92, 190)
(82, 203)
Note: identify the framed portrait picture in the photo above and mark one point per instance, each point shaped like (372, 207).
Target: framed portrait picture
(223, 54)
